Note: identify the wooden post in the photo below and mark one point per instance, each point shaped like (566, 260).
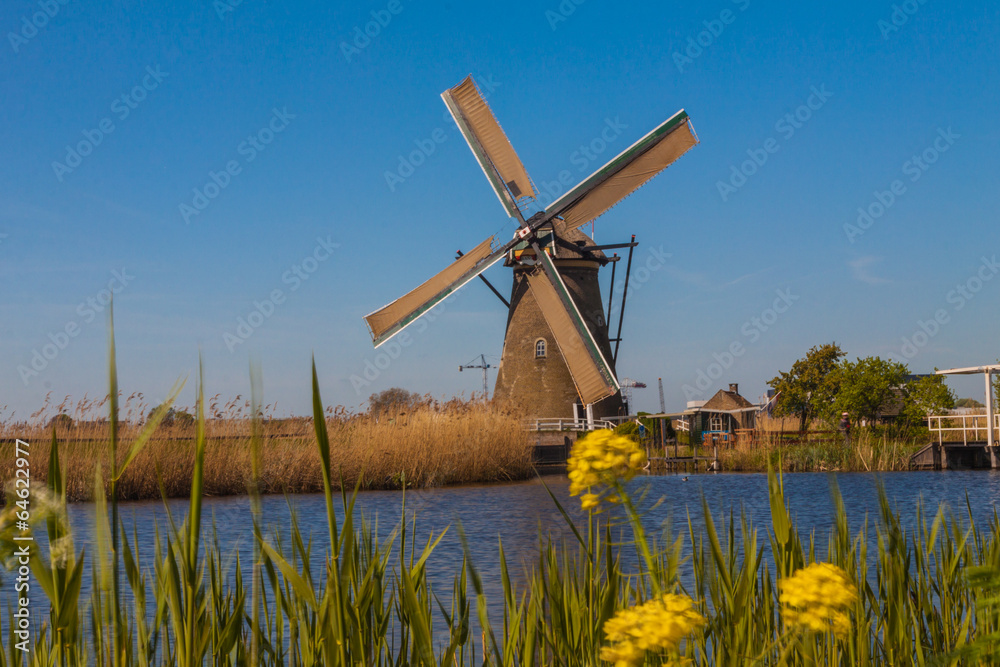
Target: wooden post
(989, 419)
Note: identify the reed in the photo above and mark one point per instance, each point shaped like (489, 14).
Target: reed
(868, 451)
(434, 445)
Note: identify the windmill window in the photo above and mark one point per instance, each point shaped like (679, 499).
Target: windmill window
(541, 349)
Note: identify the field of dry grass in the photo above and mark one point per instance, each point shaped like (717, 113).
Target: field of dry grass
(432, 445)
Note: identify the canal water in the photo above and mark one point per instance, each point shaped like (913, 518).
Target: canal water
(518, 513)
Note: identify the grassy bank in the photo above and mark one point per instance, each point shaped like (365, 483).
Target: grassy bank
(433, 445)
(868, 451)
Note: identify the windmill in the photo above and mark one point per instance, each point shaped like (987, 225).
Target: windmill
(556, 296)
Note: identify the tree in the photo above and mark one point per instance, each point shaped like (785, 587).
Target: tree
(183, 418)
(926, 396)
(866, 386)
(996, 390)
(168, 419)
(173, 417)
(968, 403)
(806, 389)
(393, 400)
(61, 421)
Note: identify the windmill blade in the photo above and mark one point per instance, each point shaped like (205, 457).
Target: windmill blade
(591, 373)
(626, 173)
(389, 320)
(490, 145)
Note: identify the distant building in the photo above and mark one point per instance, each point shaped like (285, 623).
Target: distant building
(718, 418)
(892, 407)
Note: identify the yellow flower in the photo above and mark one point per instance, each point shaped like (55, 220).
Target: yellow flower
(657, 625)
(818, 598)
(599, 460)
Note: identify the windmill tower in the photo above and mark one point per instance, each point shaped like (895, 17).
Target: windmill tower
(557, 351)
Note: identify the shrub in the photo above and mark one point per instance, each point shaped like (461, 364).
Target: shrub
(393, 401)
(61, 421)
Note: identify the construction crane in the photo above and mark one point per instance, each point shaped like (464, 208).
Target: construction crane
(485, 368)
(628, 384)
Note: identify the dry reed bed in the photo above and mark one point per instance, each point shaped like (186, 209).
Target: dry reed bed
(461, 444)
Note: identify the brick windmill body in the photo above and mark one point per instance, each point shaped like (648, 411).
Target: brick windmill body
(557, 358)
(533, 374)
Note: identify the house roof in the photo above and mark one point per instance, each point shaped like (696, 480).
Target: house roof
(727, 400)
(892, 406)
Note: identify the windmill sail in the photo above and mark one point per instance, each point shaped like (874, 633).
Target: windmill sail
(626, 173)
(591, 373)
(490, 145)
(389, 320)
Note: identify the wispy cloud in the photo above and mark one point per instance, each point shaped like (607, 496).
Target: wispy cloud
(704, 282)
(12, 211)
(860, 269)
(747, 276)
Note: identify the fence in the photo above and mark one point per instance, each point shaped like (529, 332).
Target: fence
(568, 424)
(976, 425)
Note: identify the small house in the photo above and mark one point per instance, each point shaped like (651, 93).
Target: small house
(718, 419)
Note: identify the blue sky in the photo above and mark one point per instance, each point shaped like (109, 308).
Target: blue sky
(308, 128)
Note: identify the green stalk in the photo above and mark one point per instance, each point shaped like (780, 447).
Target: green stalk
(194, 530)
(255, 509)
(333, 578)
(113, 424)
(641, 541)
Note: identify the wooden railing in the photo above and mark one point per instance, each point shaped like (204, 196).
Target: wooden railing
(974, 425)
(568, 424)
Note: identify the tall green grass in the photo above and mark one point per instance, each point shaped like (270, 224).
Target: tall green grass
(926, 596)
(868, 451)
